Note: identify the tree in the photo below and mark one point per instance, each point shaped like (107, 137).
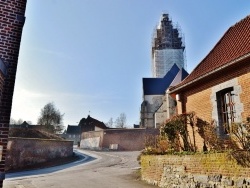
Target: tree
(51, 118)
(16, 122)
(110, 123)
(120, 122)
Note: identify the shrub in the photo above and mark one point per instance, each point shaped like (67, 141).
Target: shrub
(175, 138)
(240, 132)
(176, 128)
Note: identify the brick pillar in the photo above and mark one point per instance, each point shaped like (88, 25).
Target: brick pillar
(11, 24)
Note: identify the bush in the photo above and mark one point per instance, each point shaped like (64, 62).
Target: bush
(174, 136)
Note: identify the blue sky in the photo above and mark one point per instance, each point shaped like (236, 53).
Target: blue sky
(91, 55)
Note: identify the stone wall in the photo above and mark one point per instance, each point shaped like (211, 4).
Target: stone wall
(213, 170)
(127, 139)
(22, 152)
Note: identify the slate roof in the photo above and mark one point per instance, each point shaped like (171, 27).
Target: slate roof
(234, 44)
(94, 122)
(26, 125)
(182, 74)
(158, 86)
(73, 129)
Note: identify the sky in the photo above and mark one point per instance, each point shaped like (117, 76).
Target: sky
(88, 57)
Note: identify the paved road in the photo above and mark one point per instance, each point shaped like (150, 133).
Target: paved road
(101, 170)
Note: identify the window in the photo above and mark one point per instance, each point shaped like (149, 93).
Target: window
(226, 109)
(3, 67)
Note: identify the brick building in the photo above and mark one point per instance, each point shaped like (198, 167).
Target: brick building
(11, 24)
(73, 133)
(91, 124)
(218, 88)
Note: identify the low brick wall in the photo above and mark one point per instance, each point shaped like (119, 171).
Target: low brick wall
(127, 139)
(199, 170)
(22, 152)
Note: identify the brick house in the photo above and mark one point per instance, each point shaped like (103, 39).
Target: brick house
(218, 88)
(73, 133)
(11, 25)
(91, 124)
(27, 125)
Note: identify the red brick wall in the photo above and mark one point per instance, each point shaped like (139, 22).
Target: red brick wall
(22, 152)
(11, 25)
(127, 139)
(200, 103)
(197, 97)
(244, 81)
(220, 164)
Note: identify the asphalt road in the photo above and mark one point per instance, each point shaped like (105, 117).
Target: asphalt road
(95, 170)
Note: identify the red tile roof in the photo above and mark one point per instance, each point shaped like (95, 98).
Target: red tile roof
(234, 44)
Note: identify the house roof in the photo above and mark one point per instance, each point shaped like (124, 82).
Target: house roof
(234, 44)
(158, 86)
(73, 129)
(26, 125)
(91, 121)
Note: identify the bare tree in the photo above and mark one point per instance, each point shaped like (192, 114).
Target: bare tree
(29, 122)
(16, 122)
(110, 123)
(51, 118)
(120, 122)
(12, 121)
(19, 121)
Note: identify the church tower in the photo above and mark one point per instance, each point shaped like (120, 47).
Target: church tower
(167, 47)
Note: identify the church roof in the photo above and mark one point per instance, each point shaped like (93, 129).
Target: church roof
(158, 86)
(182, 74)
(234, 44)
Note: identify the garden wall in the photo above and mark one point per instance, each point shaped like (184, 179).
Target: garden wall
(125, 139)
(199, 170)
(23, 152)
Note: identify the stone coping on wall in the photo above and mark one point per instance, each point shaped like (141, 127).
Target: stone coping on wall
(21, 138)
